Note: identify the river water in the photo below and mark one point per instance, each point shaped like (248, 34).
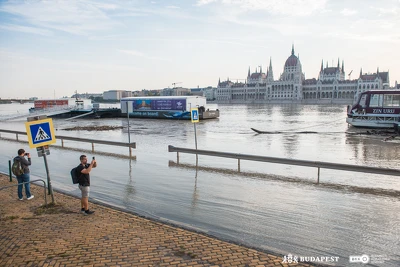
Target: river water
(278, 208)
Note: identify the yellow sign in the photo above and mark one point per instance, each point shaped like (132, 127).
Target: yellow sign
(40, 133)
(194, 114)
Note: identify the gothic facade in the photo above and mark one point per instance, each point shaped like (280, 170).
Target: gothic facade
(331, 85)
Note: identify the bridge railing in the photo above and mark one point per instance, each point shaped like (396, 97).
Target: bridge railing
(77, 139)
(304, 163)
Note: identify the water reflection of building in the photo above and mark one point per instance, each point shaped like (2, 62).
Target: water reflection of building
(290, 145)
(373, 149)
(331, 85)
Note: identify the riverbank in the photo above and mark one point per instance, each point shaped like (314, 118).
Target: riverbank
(60, 235)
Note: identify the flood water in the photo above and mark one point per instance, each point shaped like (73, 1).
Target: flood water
(278, 208)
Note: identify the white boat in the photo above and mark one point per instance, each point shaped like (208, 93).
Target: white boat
(375, 109)
(166, 107)
(63, 103)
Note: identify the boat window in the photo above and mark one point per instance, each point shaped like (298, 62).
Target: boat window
(391, 101)
(363, 100)
(376, 100)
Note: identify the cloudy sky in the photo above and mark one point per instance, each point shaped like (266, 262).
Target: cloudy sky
(55, 47)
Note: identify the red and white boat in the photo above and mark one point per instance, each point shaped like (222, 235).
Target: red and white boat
(375, 109)
(64, 103)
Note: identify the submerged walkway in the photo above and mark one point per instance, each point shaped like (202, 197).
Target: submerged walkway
(61, 236)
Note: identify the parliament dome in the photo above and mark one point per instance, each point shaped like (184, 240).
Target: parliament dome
(292, 60)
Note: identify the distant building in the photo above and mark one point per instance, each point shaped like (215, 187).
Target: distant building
(145, 92)
(176, 91)
(167, 92)
(197, 91)
(180, 91)
(292, 86)
(86, 95)
(210, 93)
(396, 85)
(116, 94)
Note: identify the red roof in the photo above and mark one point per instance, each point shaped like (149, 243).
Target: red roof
(257, 75)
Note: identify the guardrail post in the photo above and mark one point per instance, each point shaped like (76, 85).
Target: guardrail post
(92, 147)
(130, 151)
(16, 136)
(318, 176)
(9, 170)
(62, 142)
(177, 157)
(238, 165)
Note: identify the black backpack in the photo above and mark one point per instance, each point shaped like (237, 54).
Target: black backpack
(17, 168)
(75, 176)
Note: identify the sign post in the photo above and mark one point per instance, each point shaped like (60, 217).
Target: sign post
(40, 132)
(194, 112)
(129, 129)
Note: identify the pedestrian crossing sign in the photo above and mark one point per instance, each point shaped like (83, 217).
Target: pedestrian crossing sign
(40, 133)
(194, 115)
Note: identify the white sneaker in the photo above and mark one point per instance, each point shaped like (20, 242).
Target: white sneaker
(21, 199)
(29, 198)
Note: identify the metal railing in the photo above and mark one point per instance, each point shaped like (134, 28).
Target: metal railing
(304, 163)
(76, 139)
(37, 180)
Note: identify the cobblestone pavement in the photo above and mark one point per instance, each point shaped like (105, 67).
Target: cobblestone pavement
(32, 235)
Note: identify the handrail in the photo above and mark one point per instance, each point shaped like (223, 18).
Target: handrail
(37, 180)
(304, 163)
(61, 137)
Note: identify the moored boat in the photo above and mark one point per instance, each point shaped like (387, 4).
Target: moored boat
(375, 109)
(64, 103)
(166, 107)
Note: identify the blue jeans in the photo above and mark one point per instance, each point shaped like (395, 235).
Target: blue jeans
(21, 179)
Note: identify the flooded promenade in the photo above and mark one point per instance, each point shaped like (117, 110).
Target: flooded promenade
(271, 207)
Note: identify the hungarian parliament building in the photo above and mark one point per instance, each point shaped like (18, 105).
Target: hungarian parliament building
(331, 85)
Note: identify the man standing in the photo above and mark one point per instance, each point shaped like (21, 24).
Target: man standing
(25, 177)
(83, 171)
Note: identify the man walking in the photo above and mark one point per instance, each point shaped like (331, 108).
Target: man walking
(83, 171)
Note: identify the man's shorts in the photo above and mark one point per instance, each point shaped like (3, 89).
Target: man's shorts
(85, 190)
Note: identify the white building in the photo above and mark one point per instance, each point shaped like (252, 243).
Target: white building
(116, 94)
(330, 86)
(210, 93)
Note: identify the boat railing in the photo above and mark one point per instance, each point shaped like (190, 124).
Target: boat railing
(297, 162)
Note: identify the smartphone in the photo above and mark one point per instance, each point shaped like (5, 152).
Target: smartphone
(93, 157)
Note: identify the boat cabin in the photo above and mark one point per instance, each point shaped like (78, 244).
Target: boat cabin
(375, 109)
(378, 102)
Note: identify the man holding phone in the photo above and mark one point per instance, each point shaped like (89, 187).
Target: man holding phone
(25, 177)
(83, 171)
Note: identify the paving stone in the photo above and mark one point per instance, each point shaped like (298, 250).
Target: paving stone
(107, 238)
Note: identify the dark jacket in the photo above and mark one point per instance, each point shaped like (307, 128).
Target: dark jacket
(24, 163)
